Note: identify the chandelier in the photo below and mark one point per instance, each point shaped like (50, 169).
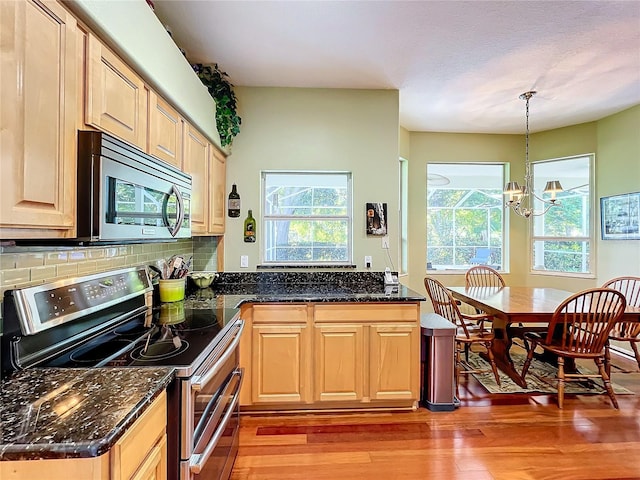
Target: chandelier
(521, 198)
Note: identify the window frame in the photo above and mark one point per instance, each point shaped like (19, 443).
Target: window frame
(504, 268)
(591, 238)
(265, 218)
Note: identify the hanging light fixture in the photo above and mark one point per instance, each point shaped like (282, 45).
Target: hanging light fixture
(521, 198)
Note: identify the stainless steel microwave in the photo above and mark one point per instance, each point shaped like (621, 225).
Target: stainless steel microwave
(126, 195)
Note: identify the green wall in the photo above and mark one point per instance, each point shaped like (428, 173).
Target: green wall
(615, 140)
(317, 129)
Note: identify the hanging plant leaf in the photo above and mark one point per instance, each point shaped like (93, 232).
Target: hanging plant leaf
(221, 90)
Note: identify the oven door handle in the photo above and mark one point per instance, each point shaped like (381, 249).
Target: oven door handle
(198, 381)
(197, 461)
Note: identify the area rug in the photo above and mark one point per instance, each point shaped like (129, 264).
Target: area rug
(541, 378)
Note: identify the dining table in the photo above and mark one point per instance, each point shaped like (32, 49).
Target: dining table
(514, 310)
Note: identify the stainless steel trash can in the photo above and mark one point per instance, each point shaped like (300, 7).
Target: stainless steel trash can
(437, 391)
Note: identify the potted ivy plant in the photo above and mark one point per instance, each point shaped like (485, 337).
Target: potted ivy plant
(221, 90)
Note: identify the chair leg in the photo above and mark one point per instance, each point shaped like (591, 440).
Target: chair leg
(634, 347)
(456, 368)
(607, 359)
(560, 382)
(607, 381)
(527, 362)
(493, 363)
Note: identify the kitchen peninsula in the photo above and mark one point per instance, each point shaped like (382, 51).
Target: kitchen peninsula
(324, 340)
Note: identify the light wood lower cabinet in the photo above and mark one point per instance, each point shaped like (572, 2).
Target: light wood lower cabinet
(394, 365)
(280, 354)
(338, 355)
(39, 93)
(339, 363)
(140, 454)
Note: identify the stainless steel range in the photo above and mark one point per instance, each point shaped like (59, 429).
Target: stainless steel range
(108, 320)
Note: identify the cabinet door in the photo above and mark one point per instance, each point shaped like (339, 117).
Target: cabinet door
(142, 449)
(279, 367)
(165, 131)
(394, 359)
(116, 97)
(339, 363)
(154, 467)
(217, 183)
(39, 64)
(196, 163)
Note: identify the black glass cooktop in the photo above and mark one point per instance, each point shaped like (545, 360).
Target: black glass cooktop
(176, 336)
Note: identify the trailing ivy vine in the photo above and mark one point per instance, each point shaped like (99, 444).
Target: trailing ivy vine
(221, 90)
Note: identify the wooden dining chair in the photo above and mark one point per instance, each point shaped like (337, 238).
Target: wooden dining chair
(625, 331)
(483, 276)
(470, 329)
(579, 328)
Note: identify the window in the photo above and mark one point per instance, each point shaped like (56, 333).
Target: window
(563, 237)
(465, 215)
(404, 216)
(307, 217)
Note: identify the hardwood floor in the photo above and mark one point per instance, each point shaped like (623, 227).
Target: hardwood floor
(499, 437)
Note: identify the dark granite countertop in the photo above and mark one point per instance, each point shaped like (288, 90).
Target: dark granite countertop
(234, 289)
(73, 412)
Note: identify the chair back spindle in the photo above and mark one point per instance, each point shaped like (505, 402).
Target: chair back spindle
(483, 276)
(585, 320)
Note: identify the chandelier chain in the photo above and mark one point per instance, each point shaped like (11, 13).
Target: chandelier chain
(521, 198)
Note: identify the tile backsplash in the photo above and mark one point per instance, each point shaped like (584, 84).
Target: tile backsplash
(26, 266)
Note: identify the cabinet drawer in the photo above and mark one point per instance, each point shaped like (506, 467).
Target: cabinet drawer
(392, 312)
(279, 314)
(132, 449)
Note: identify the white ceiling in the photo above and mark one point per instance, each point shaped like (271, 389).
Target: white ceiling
(459, 65)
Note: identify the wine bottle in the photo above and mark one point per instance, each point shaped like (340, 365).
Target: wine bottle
(234, 202)
(250, 228)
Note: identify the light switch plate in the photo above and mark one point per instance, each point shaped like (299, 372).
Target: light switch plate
(244, 261)
(367, 261)
(385, 242)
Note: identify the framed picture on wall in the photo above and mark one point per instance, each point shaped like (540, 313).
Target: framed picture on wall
(620, 217)
(376, 219)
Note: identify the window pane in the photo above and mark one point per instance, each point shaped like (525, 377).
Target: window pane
(306, 194)
(561, 256)
(562, 237)
(306, 240)
(465, 215)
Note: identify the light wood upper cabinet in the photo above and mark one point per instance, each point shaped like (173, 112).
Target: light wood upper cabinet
(117, 98)
(196, 163)
(207, 167)
(165, 131)
(39, 92)
(217, 184)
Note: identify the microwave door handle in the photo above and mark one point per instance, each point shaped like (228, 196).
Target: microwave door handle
(174, 231)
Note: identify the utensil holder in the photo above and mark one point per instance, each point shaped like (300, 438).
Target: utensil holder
(171, 290)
